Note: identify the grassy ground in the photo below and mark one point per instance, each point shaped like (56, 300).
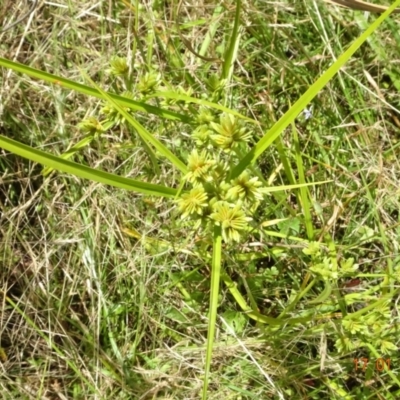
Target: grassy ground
(93, 312)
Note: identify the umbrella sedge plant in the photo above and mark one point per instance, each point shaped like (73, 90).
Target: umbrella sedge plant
(221, 186)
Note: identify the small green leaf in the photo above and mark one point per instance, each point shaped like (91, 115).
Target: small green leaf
(236, 321)
(291, 225)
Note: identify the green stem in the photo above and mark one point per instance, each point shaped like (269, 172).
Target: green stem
(212, 319)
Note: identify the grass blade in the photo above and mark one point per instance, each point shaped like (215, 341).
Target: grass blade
(309, 95)
(304, 199)
(212, 30)
(231, 52)
(51, 344)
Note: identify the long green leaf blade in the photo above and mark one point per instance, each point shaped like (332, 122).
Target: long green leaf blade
(78, 87)
(272, 189)
(177, 96)
(82, 171)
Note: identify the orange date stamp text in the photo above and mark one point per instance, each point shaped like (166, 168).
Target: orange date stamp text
(381, 364)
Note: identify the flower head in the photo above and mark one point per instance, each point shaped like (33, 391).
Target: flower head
(148, 82)
(193, 202)
(199, 166)
(201, 134)
(204, 116)
(215, 83)
(229, 132)
(91, 125)
(245, 188)
(118, 66)
(231, 219)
